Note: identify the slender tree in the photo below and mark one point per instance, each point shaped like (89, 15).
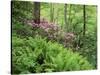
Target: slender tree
(84, 20)
(36, 12)
(51, 12)
(69, 18)
(65, 15)
(57, 17)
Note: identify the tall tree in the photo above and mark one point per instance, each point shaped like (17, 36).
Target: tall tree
(57, 15)
(36, 12)
(84, 20)
(65, 15)
(51, 12)
(69, 18)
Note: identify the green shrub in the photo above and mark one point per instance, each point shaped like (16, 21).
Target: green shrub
(89, 49)
(21, 29)
(35, 55)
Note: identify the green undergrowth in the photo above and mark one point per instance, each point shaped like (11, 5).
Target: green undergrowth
(36, 55)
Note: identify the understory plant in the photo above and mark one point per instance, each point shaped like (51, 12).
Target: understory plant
(36, 55)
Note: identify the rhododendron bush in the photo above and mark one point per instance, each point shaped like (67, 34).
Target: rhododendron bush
(52, 31)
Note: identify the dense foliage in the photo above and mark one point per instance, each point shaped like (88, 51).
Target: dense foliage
(33, 55)
(57, 42)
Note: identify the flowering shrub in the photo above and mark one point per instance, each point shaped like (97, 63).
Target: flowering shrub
(48, 29)
(43, 25)
(52, 31)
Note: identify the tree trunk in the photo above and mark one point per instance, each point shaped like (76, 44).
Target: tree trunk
(65, 16)
(84, 20)
(37, 12)
(69, 19)
(51, 12)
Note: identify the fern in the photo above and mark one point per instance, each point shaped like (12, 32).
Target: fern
(36, 55)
